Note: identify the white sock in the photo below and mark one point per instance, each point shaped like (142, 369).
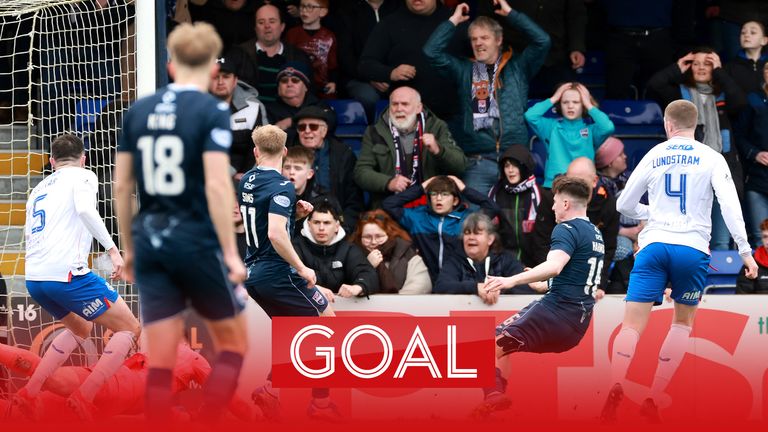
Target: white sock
(671, 354)
(623, 352)
(56, 354)
(114, 354)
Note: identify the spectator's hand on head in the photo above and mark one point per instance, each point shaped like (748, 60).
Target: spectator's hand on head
(375, 258)
(404, 72)
(380, 87)
(715, 60)
(504, 8)
(460, 15)
(460, 184)
(398, 183)
(350, 290)
(685, 62)
(426, 183)
(303, 209)
(762, 158)
(327, 293)
(431, 144)
(284, 123)
(586, 99)
(577, 59)
(559, 93)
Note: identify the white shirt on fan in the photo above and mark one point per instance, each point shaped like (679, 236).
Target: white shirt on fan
(681, 176)
(61, 222)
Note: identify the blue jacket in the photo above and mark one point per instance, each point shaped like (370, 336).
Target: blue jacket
(436, 237)
(511, 92)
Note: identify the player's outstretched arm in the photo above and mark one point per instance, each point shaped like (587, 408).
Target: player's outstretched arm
(730, 208)
(556, 260)
(84, 195)
(124, 187)
(220, 195)
(281, 241)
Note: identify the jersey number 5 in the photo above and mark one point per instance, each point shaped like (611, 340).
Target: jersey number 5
(161, 160)
(37, 227)
(679, 193)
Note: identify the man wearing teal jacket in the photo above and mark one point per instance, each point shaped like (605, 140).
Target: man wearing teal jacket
(492, 88)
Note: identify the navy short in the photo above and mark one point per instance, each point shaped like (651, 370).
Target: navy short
(658, 264)
(280, 291)
(87, 295)
(169, 280)
(537, 329)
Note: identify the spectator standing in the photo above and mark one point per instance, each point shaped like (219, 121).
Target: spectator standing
(390, 251)
(492, 89)
(569, 136)
(233, 19)
(319, 44)
(408, 144)
(746, 68)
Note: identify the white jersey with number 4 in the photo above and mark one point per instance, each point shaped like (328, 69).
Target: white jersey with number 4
(61, 223)
(680, 176)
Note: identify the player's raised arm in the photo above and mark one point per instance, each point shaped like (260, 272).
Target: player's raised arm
(125, 185)
(281, 241)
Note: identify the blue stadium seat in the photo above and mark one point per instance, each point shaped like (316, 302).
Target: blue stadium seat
(381, 105)
(592, 74)
(635, 117)
(87, 110)
(636, 147)
(539, 152)
(724, 268)
(350, 118)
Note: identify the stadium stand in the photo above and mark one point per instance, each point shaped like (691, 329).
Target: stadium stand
(724, 267)
(351, 121)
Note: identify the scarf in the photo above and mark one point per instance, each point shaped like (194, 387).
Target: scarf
(485, 108)
(393, 269)
(761, 256)
(528, 184)
(400, 153)
(704, 100)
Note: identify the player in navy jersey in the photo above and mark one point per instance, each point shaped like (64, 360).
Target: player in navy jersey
(559, 320)
(277, 278)
(175, 145)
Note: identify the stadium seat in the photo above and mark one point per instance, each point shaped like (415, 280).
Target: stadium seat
(724, 268)
(539, 152)
(350, 118)
(636, 147)
(87, 110)
(381, 105)
(635, 117)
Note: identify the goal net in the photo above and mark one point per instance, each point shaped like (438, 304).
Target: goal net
(65, 66)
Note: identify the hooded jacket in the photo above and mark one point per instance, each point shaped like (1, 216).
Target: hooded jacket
(511, 90)
(460, 275)
(515, 208)
(337, 263)
(435, 236)
(747, 73)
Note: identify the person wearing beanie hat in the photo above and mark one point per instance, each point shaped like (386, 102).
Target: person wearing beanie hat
(610, 150)
(293, 84)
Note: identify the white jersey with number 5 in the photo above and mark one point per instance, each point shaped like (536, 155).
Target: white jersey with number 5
(61, 223)
(680, 176)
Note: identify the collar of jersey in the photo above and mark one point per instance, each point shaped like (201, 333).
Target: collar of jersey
(179, 87)
(263, 168)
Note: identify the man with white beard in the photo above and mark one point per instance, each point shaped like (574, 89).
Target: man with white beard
(407, 144)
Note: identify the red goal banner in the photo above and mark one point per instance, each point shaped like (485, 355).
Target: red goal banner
(384, 352)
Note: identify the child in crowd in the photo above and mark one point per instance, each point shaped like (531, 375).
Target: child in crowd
(747, 68)
(435, 227)
(319, 44)
(569, 136)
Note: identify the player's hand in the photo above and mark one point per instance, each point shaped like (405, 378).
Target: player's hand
(497, 283)
(375, 258)
(577, 59)
(489, 298)
(431, 144)
(350, 290)
(303, 209)
(327, 293)
(751, 271)
(398, 183)
(236, 268)
(308, 275)
(460, 14)
(540, 287)
(118, 264)
(599, 294)
(127, 274)
(404, 72)
(668, 295)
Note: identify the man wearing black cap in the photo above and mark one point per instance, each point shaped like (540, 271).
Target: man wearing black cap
(292, 95)
(247, 113)
(333, 165)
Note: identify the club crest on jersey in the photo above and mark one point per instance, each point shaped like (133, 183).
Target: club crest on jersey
(318, 298)
(584, 133)
(282, 200)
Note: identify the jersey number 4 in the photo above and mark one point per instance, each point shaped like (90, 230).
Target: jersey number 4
(161, 160)
(679, 193)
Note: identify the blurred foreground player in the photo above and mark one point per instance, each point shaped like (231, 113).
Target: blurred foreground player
(62, 221)
(277, 278)
(680, 176)
(558, 321)
(175, 145)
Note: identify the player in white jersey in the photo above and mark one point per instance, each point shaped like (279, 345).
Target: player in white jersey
(61, 223)
(680, 176)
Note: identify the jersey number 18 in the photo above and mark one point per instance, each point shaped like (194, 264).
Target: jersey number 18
(161, 160)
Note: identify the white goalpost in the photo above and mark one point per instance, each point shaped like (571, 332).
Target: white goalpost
(65, 66)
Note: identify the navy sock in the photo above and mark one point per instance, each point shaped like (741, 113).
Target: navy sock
(159, 396)
(221, 384)
(500, 385)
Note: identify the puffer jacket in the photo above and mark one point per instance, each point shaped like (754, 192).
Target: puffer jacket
(511, 90)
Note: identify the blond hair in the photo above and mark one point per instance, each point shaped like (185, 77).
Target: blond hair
(194, 45)
(682, 114)
(270, 139)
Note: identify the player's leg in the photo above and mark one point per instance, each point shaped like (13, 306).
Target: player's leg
(163, 337)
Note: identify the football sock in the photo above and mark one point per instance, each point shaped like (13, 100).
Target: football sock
(671, 354)
(114, 354)
(623, 351)
(159, 396)
(56, 354)
(221, 384)
(500, 385)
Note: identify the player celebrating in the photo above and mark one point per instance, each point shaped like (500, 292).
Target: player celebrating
(557, 322)
(175, 145)
(679, 175)
(62, 221)
(277, 278)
